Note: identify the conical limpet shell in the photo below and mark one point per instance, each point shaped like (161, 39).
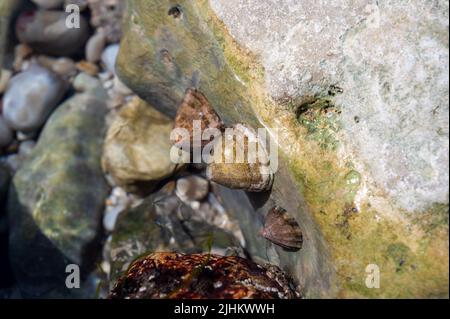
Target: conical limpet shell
(282, 229)
(196, 107)
(250, 173)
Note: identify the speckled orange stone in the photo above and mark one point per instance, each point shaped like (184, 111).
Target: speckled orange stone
(202, 276)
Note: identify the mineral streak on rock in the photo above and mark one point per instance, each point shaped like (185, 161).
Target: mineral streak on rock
(202, 276)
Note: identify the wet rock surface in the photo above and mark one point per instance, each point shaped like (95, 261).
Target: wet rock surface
(177, 276)
(56, 199)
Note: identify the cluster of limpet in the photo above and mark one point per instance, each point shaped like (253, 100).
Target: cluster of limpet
(251, 171)
(202, 276)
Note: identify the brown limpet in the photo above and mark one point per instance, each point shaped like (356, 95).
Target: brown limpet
(196, 107)
(202, 276)
(282, 229)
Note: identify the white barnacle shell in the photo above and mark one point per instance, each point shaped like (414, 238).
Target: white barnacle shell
(241, 161)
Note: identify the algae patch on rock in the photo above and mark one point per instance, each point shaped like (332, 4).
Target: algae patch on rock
(162, 55)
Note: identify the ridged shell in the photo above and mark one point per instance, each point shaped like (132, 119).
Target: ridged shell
(196, 107)
(250, 176)
(282, 229)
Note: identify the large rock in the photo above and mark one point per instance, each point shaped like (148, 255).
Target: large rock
(161, 71)
(57, 198)
(137, 146)
(6, 134)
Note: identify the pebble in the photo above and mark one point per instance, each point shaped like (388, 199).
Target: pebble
(105, 76)
(6, 134)
(109, 57)
(49, 4)
(30, 98)
(95, 46)
(192, 188)
(14, 162)
(64, 67)
(110, 217)
(46, 32)
(107, 14)
(137, 146)
(26, 147)
(85, 82)
(88, 67)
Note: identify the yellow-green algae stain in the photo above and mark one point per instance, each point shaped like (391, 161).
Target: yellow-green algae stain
(412, 253)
